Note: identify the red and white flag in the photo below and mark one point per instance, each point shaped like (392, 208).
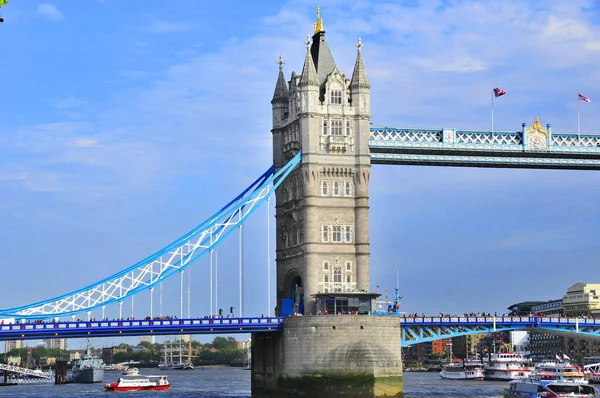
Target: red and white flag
(584, 98)
(498, 92)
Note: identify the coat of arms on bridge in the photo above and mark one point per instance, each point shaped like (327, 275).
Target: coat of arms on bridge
(536, 136)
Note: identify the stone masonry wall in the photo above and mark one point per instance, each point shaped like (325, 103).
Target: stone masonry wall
(342, 344)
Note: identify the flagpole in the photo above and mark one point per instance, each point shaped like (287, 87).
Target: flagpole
(578, 124)
(493, 111)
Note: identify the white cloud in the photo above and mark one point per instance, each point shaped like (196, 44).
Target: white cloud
(162, 26)
(49, 12)
(85, 142)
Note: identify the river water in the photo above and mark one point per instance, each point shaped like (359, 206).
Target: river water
(231, 382)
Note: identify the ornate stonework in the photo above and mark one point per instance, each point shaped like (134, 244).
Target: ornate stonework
(537, 136)
(322, 209)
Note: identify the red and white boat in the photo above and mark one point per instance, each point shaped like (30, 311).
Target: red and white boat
(139, 383)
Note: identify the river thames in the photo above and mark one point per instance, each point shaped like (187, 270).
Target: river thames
(231, 382)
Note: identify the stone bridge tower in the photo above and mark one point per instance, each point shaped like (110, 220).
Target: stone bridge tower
(322, 209)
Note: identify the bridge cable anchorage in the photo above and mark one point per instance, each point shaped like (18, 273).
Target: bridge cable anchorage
(175, 257)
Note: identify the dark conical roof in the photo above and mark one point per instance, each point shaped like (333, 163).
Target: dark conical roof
(281, 88)
(309, 73)
(359, 76)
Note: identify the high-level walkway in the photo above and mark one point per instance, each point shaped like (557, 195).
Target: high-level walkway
(532, 147)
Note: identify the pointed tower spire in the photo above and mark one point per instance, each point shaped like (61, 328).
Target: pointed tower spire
(359, 76)
(309, 73)
(281, 88)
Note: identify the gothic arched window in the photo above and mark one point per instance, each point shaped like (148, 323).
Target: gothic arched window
(336, 97)
(337, 275)
(336, 127)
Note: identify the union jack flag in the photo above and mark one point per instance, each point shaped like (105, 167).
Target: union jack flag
(583, 97)
(498, 92)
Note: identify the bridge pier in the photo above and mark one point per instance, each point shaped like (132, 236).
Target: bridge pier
(329, 356)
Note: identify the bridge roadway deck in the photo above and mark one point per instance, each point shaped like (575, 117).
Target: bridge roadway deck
(423, 329)
(32, 331)
(414, 329)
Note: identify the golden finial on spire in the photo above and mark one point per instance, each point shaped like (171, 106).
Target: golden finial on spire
(319, 23)
(536, 124)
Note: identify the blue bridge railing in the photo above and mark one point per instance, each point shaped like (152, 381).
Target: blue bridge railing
(423, 329)
(44, 330)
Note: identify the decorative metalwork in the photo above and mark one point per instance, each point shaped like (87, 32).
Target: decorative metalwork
(479, 138)
(533, 147)
(165, 263)
(417, 330)
(406, 135)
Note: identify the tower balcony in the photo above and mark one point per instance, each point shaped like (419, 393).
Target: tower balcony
(337, 143)
(290, 149)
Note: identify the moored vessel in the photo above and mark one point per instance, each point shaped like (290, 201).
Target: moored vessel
(462, 371)
(507, 366)
(139, 383)
(558, 371)
(549, 388)
(88, 369)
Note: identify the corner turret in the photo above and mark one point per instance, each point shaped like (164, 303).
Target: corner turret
(360, 89)
(280, 97)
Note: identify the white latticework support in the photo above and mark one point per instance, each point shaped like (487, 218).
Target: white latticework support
(165, 263)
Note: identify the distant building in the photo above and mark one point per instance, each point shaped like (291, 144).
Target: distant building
(466, 346)
(582, 299)
(75, 355)
(148, 339)
(109, 353)
(547, 344)
(47, 361)
(523, 308)
(12, 344)
(242, 344)
(186, 338)
(441, 347)
(56, 344)
(519, 341)
(13, 360)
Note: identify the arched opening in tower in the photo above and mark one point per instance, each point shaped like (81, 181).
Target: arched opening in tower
(292, 301)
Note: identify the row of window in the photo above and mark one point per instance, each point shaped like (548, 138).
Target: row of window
(337, 281)
(335, 188)
(336, 127)
(336, 268)
(337, 233)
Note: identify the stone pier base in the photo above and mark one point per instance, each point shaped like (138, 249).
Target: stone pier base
(329, 356)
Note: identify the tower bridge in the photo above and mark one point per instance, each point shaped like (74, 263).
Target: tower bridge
(323, 149)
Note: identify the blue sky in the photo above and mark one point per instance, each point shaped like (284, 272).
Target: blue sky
(125, 124)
